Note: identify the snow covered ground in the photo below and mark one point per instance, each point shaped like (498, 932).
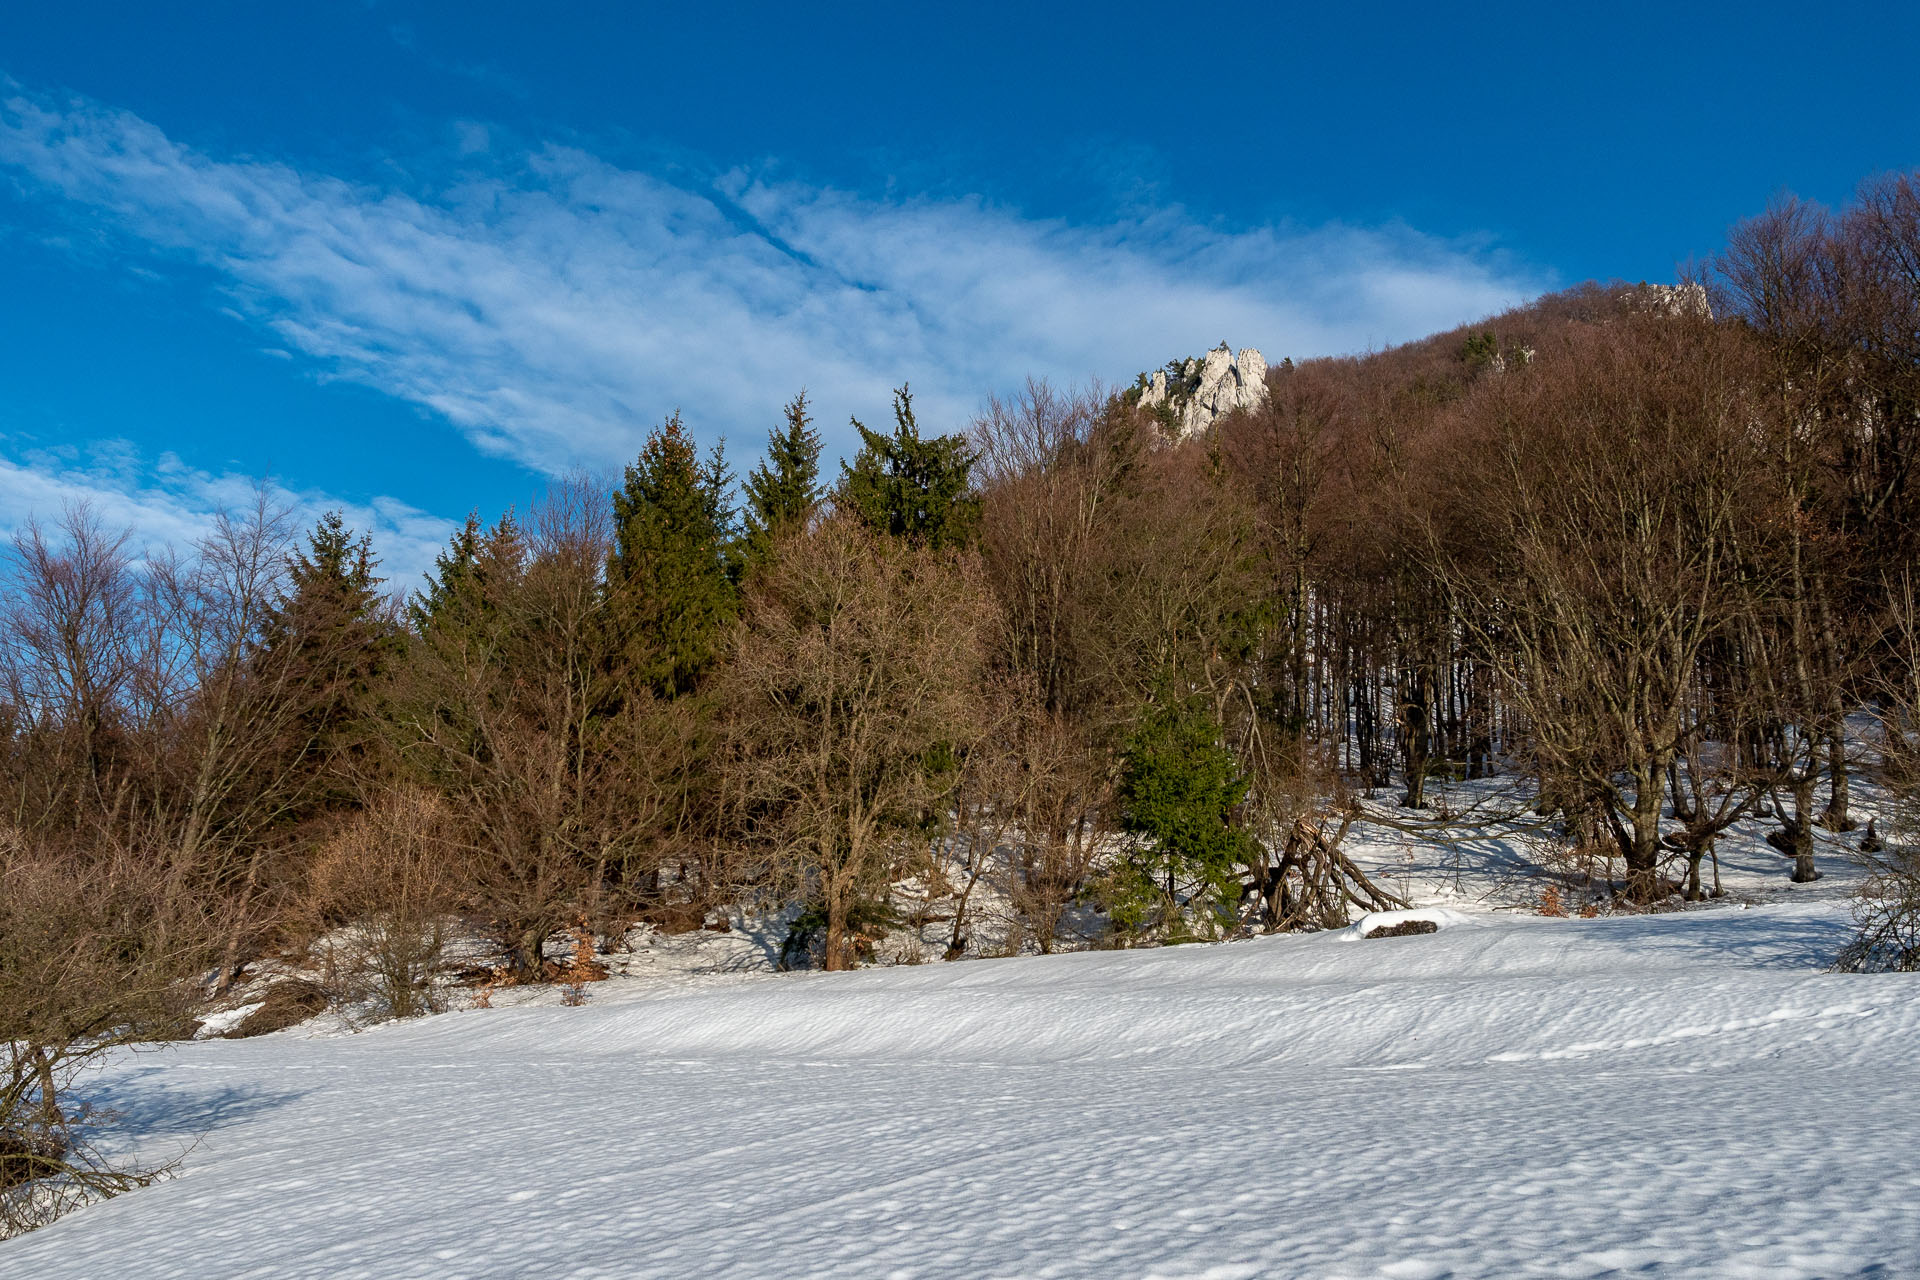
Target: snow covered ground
(1677, 1095)
(1479, 846)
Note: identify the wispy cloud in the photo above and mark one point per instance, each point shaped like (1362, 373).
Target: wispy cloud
(165, 503)
(555, 306)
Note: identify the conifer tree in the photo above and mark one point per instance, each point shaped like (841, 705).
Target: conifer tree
(329, 640)
(449, 580)
(782, 492)
(1178, 790)
(465, 583)
(911, 488)
(670, 594)
(463, 625)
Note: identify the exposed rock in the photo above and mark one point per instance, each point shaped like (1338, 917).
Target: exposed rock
(1208, 389)
(1673, 299)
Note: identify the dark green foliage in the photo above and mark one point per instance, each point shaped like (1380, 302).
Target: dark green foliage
(670, 594)
(782, 492)
(463, 590)
(1167, 417)
(331, 584)
(1178, 792)
(1479, 350)
(912, 488)
(462, 623)
(330, 640)
(451, 579)
(867, 920)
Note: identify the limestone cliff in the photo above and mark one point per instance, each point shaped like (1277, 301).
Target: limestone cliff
(1205, 390)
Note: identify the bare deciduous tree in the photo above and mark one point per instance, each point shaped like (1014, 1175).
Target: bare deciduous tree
(1621, 478)
(853, 689)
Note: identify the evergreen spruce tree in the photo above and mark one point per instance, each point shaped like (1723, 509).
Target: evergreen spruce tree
(782, 492)
(670, 595)
(330, 640)
(464, 586)
(1178, 790)
(909, 487)
(450, 579)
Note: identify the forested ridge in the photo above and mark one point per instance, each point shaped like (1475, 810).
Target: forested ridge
(1646, 550)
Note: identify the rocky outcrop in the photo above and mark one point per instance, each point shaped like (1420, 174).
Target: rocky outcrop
(1201, 392)
(1673, 299)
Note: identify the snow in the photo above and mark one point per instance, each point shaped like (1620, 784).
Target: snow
(221, 1021)
(1680, 1095)
(1479, 846)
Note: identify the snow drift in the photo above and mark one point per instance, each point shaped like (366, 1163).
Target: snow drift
(1680, 1095)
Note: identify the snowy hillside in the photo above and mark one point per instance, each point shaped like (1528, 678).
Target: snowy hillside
(1679, 1095)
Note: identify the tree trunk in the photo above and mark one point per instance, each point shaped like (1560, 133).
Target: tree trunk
(1693, 892)
(1298, 642)
(1363, 732)
(1480, 746)
(1804, 872)
(529, 953)
(1642, 845)
(836, 949)
(1415, 723)
(1683, 810)
(50, 1114)
(1836, 818)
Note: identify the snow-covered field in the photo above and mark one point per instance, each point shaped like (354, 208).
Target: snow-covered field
(1687, 1094)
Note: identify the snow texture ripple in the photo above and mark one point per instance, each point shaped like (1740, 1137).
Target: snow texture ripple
(1687, 1095)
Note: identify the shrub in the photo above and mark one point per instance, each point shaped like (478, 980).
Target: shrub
(1886, 914)
(98, 951)
(382, 896)
(289, 1003)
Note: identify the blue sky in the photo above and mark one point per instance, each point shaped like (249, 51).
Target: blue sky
(409, 260)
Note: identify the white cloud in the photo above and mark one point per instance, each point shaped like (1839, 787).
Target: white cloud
(557, 306)
(165, 503)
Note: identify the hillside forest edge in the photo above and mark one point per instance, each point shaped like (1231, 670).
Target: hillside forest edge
(1647, 548)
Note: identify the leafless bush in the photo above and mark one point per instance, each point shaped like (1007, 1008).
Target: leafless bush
(384, 889)
(1580, 875)
(1886, 908)
(98, 951)
(571, 784)
(1027, 823)
(1886, 914)
(288, 1003)
(1300, 876)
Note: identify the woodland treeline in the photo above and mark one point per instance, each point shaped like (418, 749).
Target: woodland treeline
(1648, 549)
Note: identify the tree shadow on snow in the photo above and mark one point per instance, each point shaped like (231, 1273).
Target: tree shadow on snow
(1760, 938)
(154, 1104)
